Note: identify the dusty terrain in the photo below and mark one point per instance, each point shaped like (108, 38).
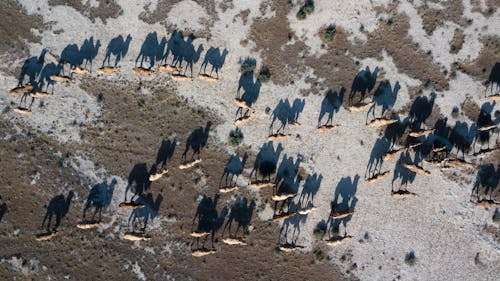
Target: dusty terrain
(417, 199)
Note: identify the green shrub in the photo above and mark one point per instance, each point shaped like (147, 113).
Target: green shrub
(454, 112)
(301, 14)
(264, 75)
(496, 215)
(330, 33)
(320, 230)
(235, 136)
(410, 258)
(248, 66)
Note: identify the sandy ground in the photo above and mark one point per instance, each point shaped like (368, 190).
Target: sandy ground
(440, 225)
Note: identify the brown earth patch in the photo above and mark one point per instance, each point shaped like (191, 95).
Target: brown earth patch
(287, 56)
(457, 41)
(136, 132)
(471, 109)
(489, 55)
(15, 27)
(431, 18)
(163, 7)
(106, 9)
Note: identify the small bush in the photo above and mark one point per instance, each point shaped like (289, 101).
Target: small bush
(264, 75)
(301, 14)
(305, 10)
(235, 137)
(141, 102)
(100, 97)
(330, 33)
(410, 258)
(319, 255)
(320, 230)
(496, 215)
(248, 66)
(454, 112)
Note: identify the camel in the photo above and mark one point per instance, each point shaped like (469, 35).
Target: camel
(140, 177)
(118, 48)
(234, 167)
(215, 59)
(100, 197)
(21, 90)
(89, 51)
(251, 89)
(363, 82)
(58, 206)
(485, 122)
(281, 113)
(196, 141)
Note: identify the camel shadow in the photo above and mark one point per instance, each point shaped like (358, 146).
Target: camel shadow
(117, 47)
(89, 51)
(148, 212)
(99, 197)
(384, 96)
(394, 132)
(151, 50)
(363, 83)
(401, 173)
(493, 82)
(234, 167)
(241, 212)
(330, 105)
(138, 181)
(287, 183)
(485, 126)
(70, 55)
(380, 148)
(420, 110)
(309, 190)
(266, 161)
(291, 227)
(208, 221)
(58, 207)
(286, 114)
(183, 50)
(196, 141)
(462, 136)
(3, 209)
(487, 180)
(45, 79)
(165, 152)
(248, 88)
(32, 68)
(343, 204)
(215, 58)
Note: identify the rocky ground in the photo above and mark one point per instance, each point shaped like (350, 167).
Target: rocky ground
(427, 65)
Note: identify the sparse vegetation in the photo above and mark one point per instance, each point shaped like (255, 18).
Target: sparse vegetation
(264, 74)
(248, 66)
(410, 258)
(305, 10)
(320, 230)
(454, 112)
(329, 33)
(319, 255)
(235, 136)
(496, 216)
